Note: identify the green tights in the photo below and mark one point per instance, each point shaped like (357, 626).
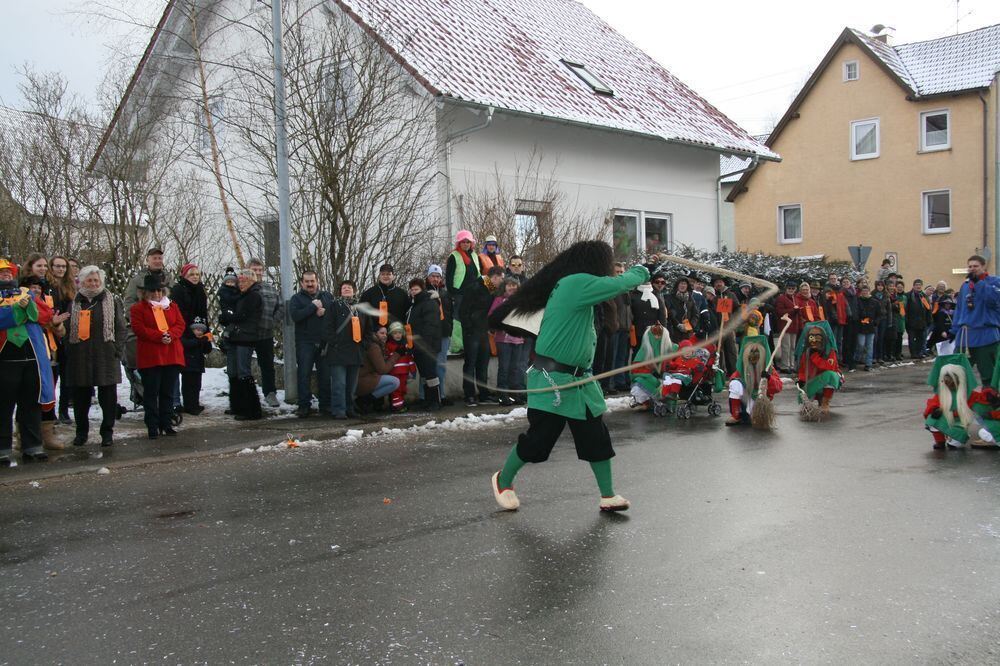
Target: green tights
(601, 469)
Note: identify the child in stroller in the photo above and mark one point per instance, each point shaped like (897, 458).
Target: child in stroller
(691, 377)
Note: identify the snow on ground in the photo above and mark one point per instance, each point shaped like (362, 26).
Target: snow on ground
(214, 396)
(385, 433)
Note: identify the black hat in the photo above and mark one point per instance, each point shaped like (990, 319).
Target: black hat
(791, 283)
(152, 282)
(386, 268)
(154, 250)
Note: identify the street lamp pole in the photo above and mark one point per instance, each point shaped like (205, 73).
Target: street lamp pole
(284, 233)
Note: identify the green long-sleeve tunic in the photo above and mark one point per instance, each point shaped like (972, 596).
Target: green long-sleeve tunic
(567, 335)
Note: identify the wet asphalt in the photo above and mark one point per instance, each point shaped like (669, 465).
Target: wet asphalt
(849, 541)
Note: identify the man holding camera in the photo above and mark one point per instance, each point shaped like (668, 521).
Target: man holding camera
(976, 323)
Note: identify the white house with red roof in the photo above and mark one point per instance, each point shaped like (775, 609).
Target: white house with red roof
(508, 83)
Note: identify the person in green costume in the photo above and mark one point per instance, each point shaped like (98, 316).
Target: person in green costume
(646, 379)
(948, 415)
(819, 368)
(565, 293)
(752, 375)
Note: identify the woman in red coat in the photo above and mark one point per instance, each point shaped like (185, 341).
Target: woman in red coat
(158, 327)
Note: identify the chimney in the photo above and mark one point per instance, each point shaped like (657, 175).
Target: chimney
(880, 33)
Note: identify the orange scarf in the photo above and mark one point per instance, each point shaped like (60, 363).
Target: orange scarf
(161, 319)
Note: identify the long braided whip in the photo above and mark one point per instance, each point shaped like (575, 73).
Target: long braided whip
(770, 289)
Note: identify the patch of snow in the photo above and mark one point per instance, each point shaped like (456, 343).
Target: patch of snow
(35, 484)
(104, 470)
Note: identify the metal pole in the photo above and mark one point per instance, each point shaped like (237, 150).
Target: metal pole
(284, 233)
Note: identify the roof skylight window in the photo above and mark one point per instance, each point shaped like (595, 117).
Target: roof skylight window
(588, 77)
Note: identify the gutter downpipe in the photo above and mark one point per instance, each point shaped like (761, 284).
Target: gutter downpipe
(986, 171)
(996, 166)
(447, 157)
(718, 198)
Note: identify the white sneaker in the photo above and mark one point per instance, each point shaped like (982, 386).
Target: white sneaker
(272, 399)
(954, 443)
(505, 497)
(986, 436)
(616, 503)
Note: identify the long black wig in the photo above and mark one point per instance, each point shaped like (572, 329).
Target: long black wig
(593, 257)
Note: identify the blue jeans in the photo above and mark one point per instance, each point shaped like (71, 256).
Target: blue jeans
(238, 359)
(442, 366)
(343, 384)
(866, 348)
(619, 350)
(512, 363)
(307, 355)
(386, 385)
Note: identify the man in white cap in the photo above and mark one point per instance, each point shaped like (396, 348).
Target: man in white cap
(490, 256)
(435, 282)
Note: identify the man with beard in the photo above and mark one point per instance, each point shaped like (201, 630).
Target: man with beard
(564, 294)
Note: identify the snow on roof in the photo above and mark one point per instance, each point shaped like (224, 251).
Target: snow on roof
(512, 55)
(731, 163)
(949, 64)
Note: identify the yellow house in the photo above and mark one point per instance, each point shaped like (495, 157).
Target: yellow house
(893, 147)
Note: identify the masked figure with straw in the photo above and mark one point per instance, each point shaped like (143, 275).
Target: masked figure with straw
(819, 370)
(948, 414)
(646, 379)
(563, 294)
(753, 373)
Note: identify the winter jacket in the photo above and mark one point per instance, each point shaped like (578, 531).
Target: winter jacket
(806, 310)
(94, 362)
(424, 318)
(784, 305)
(150, 350)
(838, 310)
(918, 310)
(244, 318)
(982, 321)
(623, 307)
(338, 334)
(131, 295)
(502, 336)
(308, 325)
(869, 314)
(474, 307)
(644, 312)
(682, 315)
(397, 301)
(472, 272)
(444, 298)
(271, 310)
(374, 363)
(192, 301)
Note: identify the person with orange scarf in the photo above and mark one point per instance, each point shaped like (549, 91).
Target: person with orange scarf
(158, 327)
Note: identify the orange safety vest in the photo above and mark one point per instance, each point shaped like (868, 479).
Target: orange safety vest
(486, 263)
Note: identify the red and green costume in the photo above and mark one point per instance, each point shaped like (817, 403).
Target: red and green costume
(819, 368)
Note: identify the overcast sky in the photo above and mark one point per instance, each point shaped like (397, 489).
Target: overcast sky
(747, 58)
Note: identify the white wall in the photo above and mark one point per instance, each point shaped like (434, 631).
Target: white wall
(602, 170)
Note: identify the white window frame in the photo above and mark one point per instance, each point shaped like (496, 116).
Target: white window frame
(640, 217)
(925, 212)
(857, 70)
(878, 139)
(658, 216)
(781, 224)
(924, 148)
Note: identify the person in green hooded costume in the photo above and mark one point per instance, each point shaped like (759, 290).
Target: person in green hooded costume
(646, 379)
(752, 373)
(819, 368)
(950, 413)
(564, 293)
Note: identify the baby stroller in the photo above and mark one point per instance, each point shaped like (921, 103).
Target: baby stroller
(697, 385)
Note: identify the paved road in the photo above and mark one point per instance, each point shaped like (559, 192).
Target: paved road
(844, 542)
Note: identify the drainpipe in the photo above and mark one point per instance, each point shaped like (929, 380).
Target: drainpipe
(718, 198)
(996, 164)
(986, 171)
(447, 156)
